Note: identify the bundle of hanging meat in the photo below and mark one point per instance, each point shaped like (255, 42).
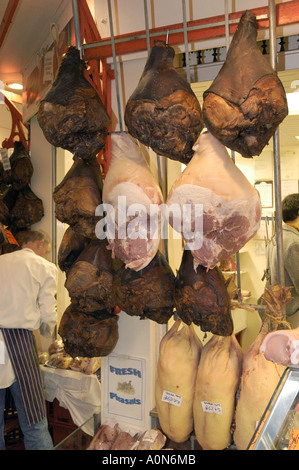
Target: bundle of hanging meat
(78, 196)
(201, 297)
(246, 102)
(89, 280)
(21, 167)
(282, 347)
(217, 381)
(72, 244)
(147, 293)
(213, 205)
(72, 115)
(259, 375)
(133, 200)
(178, 360)
(27, 210)
(163, 112)
(88, 335)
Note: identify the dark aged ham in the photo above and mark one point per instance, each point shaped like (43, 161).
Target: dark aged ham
(21, 167)
(72, 115)
(147, 293)
(88, 335)
(230, 205)
(78, 196)
(246, 102)
(27, 210)
(201, 297)
(133, 194)
(163, 112)
(89, 280)
(282, 346)
(217, 381)
(72, 244)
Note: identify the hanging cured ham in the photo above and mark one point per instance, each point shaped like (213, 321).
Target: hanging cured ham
(147, 293)
(178, 360)
(72, 115)
(88, 335)
(72, 244)
(225, 208)
(259, 375)
(78, 196)
(163, 112)
(282, 346)
(217, 381)
(21, 167)
(246, 102)
(201, 297)
(135, 198)
(27, 210)
(89, 280)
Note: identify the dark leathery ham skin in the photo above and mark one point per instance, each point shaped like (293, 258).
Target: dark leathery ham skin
(201, 297)
(163, 112)
(246, 101)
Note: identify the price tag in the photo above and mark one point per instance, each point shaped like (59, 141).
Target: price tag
(209, 407)
(5, 159)
(172, 398)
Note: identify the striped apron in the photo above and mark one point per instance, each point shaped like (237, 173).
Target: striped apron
(22, 352)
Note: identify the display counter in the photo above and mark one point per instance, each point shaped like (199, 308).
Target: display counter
(77, 392)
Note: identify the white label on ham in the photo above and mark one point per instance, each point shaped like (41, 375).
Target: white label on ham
(171, 398)
(209, 407)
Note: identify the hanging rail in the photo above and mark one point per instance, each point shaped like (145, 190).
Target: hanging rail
(198, 30)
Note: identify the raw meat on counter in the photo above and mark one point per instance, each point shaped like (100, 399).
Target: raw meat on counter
(112, 437)
(147, 293)
(86, 365)
(89, 280)
(72, 115)
(88, 335)
(226, 208)
(259, 375)
(178, 360)
(78, 196)
(246, 102)
(163, 112)
(130, 188)
(217, 381)
(72, 244)
(201, 297)
(282, 347)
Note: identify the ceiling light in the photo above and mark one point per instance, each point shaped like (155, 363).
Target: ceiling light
(15, 86)
(293, 102)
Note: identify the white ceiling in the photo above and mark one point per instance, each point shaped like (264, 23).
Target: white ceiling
(27, 31)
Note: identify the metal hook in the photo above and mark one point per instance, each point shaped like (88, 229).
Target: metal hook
(167, 37)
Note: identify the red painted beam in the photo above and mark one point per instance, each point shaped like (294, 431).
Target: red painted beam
(286, 13)
(7, 18)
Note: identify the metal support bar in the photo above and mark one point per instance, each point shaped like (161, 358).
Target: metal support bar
(277, 173)
(186, 41)
(115, 66)
(77, 26)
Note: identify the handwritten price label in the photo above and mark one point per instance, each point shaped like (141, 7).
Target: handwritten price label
(209, 407)
(172, 398)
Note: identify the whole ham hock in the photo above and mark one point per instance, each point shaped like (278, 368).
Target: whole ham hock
(89, 280)
(201, 297)
(88, 335)
(147, 293)
(226, 208)
(163, 112)
(72, 115)
(78, 195)
(246, 102)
